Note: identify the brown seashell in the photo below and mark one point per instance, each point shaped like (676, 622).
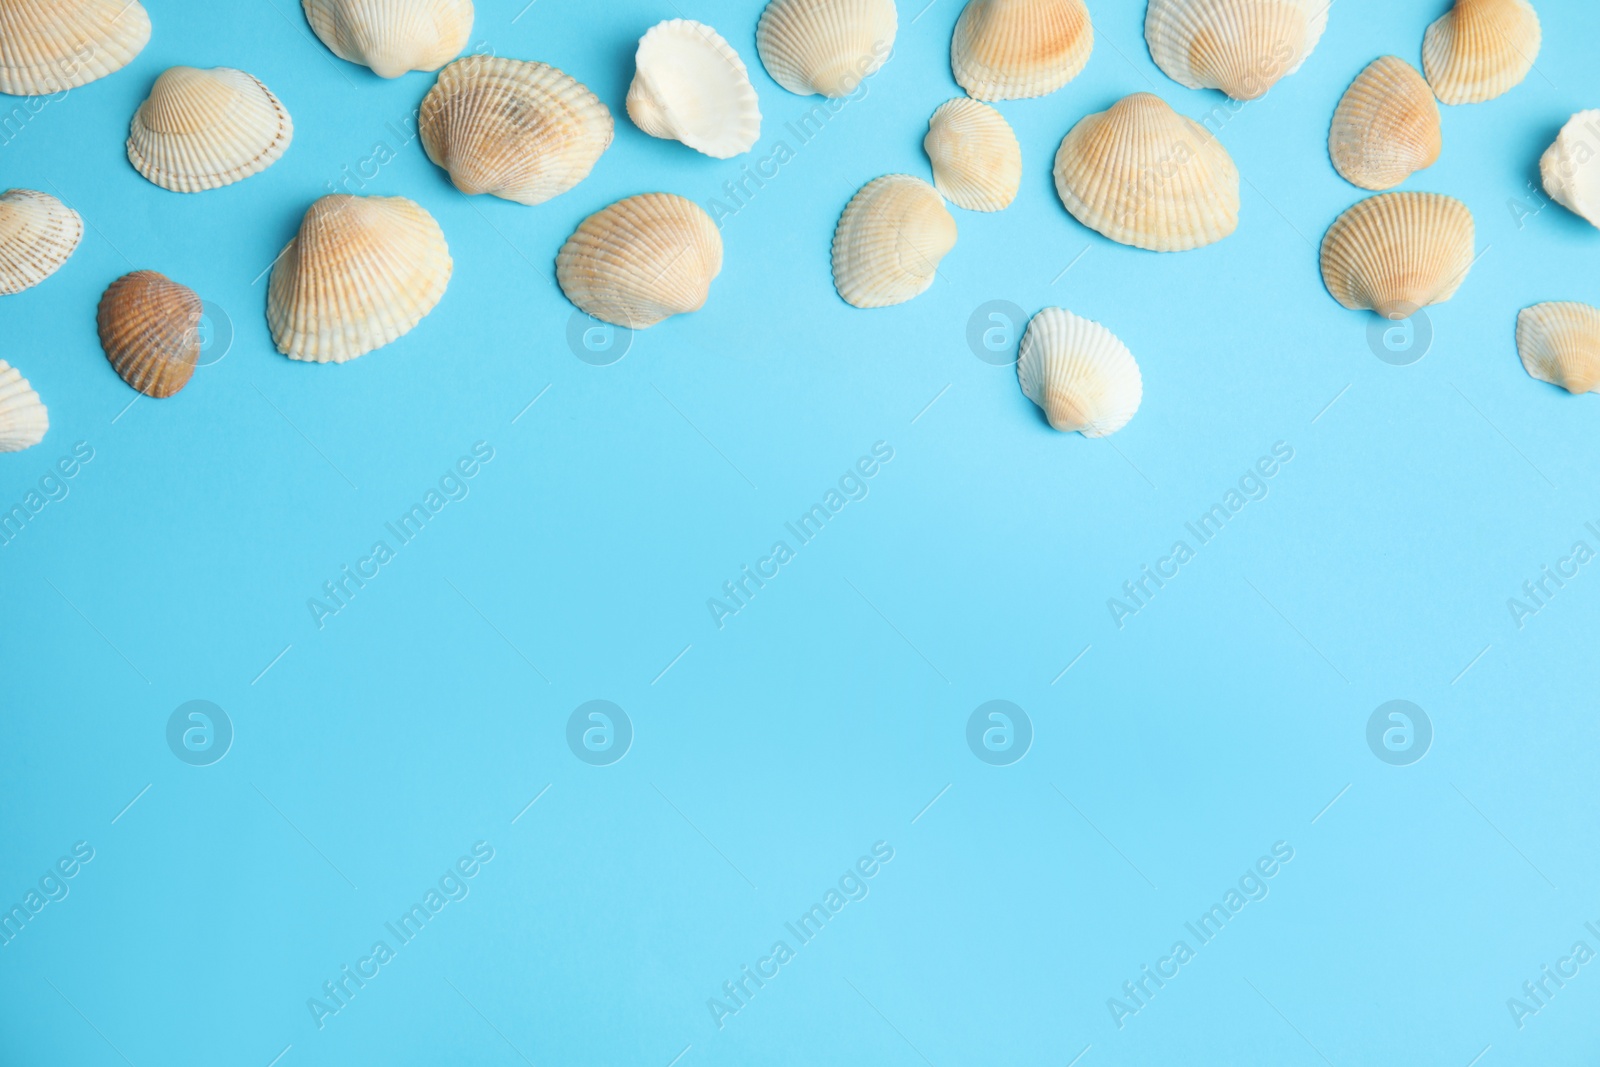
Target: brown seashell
(150, 330)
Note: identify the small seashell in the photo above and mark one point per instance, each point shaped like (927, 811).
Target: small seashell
(977, 162)
(691, 86)
(825, 46)
(1571, 175)
(23, 418)
(150, 330)
(203, 129)
(641, 260)
(1144, 175)
(47, 46)
(1397, 252)
(889, 241)
(362, 271)
(1386, 126)
(1014, 49)
(1083, 377)
(1560, 343)
(38, 233)
(1480, 49)
(1239, 46)
(392, 36)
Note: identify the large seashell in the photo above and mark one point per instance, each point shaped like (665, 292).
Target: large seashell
(362, 271)
(977, 162)
(1397, 252)
(1560, 343)
(23, 418)
(825, 46)
(38, 233)
(1146, 176)
(1386, 126)
(1568, 167)
(1013, 49)
(691, 86)
(1239, 46)
(1480, 49)
(392, 36)
(203, 129)
(47, 46)
(150, 330)
(1083, 377)
(641, 260)
(521, 131)
(889, 241)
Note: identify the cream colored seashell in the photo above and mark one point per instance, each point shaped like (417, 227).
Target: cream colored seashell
(362, 271)
(203, 129)
(641, 260)
(1079, 373)
(1386, 126)
(825, 46)
(1397, 252)
(392, 37)
(977, 162)
(23, 418)
(47, 46)
(1570, 170)
(691, 86)
(1014, 49)
(1144, 175)
(889, 241)
(150, 331)
(1242, 47)
(1480, 49)
(1560, 343)
(38, 233)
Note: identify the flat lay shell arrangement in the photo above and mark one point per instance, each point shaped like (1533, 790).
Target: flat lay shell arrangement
(825, 47)
(203, 129)
(150, 330)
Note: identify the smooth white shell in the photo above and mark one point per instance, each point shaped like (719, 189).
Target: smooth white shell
(691, 86)
(825, 46)
(203, 129)
(47, 46)
(23, 418)
(1570, 169)
(392, 37)
(38, 234)
(1080, 374)
(1242, 47)
(889, 241)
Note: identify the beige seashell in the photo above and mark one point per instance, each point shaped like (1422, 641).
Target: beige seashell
(889, 241)
(1560, 343)
(1480, 49)
(641, 260)
(977, 162)
(691, 86)
(1079, 373)
(203, 129)
(362, 271)
(38, 233)
(1386, 126)
(1014, 49)
(1242, 47)
(1569, 168)
(23, 418)
(1397, 252)
(1144, 175)
(825, 46)
(392, 37)
(47, 46)
(150, 330)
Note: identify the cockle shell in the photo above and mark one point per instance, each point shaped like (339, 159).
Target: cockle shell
(889, 241)
(392, 36)
(825, 46)
(1480, 49)
(47, 46)
(1144, 175)
(38, 233)
(1560, 343)
(150, 330)
(1014, 49)
(977, 162)
(203, 129)
(1079, 373)
(691, 86)
(641, 260)
(1570, 169)
(1397, 252)
(1239, 46)
(23, 418)
(1386, 126)
(362, 271)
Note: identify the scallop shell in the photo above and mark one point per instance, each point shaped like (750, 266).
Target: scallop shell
(1079, 373)
(641, 260)
(825, 46)
(38, 233)
(1569, 169)
(150, 330)
(1397, 252)
(1480, 49)
(392, 36)
(691, 86)
(977, 162)
(1560, 343)
(1144, 175)
(47, 46)
(1239, 46)
(1386, 126)
(1013, 49)
(362, 271)
(889, 241)
(203, 129)
(23, 418)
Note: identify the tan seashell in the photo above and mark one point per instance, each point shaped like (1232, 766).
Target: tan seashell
(362, 271)
(1014, 49)
(23, 418)
(38, 233)
(825, 46)
(150, 330)
(1569, 168)
(641, 260)
(691, 86)
(889, 241)
(1560, 343)
(1386, 126)
(1480, 49)
(1242, 47)
(47, 46)
(1397, 252)
(203, 129)
(392, 37)
(977, 162)
(1079, 373)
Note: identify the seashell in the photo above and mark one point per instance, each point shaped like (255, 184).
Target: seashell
(1144, 175)
(1386, 126)
(362, 271)
(1397, 252)
(1075, 369)
(38, 233)
(47, 46)
(23, 418)
(1480, 49)
(1014, 49)
(641, 260)
(1242, 47)
(521, 131)
(889, 241)
(691, 86)
(1571, 175)
(392, 36)
(825, 46)
(150, 330)
(977, 162)
(1560, 343)
(203, 129)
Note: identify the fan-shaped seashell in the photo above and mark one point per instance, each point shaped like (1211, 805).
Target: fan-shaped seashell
(1569, 167)
(1480, 49)
(1014, 49)
(150, 330)
(47, 46)
(38, 233)
(641, 260)
(362, 271)
(1144, 175)
(203, 129)
(691, 86)
(1397, 252)
(1242, 47)
(1386, 126)
(23, 418)
(977, 162)
(825, 46)
(392, 36)
(889, 241)
(1560, 343)
(1078, 371)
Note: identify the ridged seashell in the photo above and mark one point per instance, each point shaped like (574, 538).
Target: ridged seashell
(1397, 252)
(889, 241)
(1079, 373)
(1144, 175)
(1239, 46)
(150, 330)
(50, 45)
(691, 86)
(362, 271)
(38, 233)
(521, 131)
(1560, 343)
(641, 260)
(1480, 49)
(1014, 49)
(203, 129)
(977, 162)
(1569, 169)
(1386, 126)
(23, 418)
(825, 46)
(392, 37)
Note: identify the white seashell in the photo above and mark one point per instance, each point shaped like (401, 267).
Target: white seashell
(23, 418)
(1560, 343)
(1569, 169)
(1079, 373)
(1242, 47)
(977, 162)
(1397, 252)
(889, 241)
(1014, 49)
(392, 36)
(641, 260)
(1386, 126)
(1480, 49)
(203, 129)
(691, 86)
(47, 46)
(38, 233)
(825, 46)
